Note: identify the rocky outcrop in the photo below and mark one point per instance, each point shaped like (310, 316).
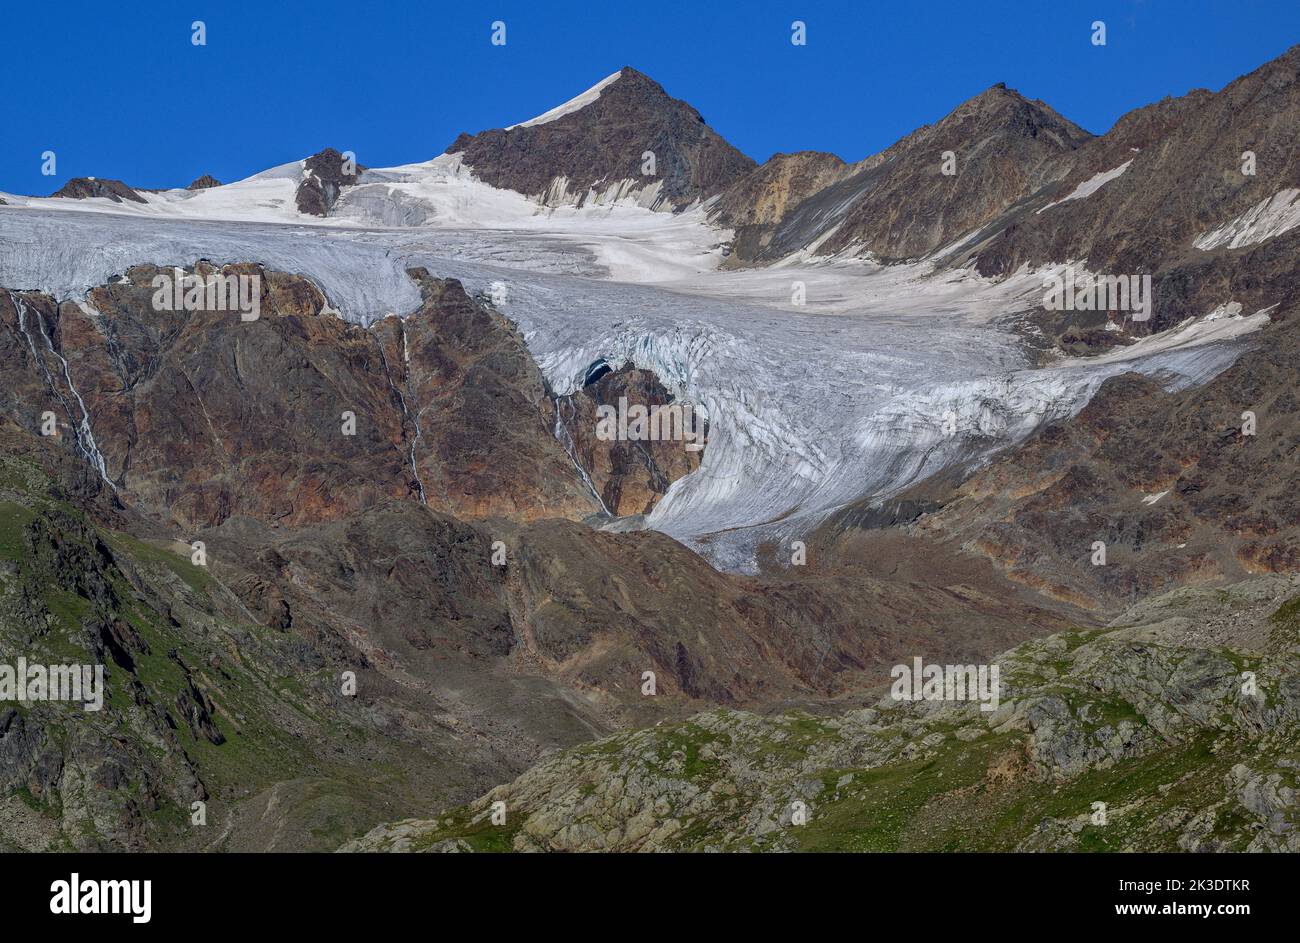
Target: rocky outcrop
(91, 780)
(324, 176)
(763, 196)
(597, 152)
(206, 182)
(85, 188)
(295, 416)
(632, 472)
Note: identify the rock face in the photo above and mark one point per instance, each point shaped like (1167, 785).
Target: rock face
(84, 188)
(900, 203)
(1130, 738)
(199, 415)
(631, 474)
(485, 443)
(207, 181)
(1181, 489)
(755, 204)
(324, 176)
(597, 152)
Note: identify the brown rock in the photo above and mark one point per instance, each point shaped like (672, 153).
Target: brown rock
(324, 176)
(83, 188)
(630, 475)
(603, 143)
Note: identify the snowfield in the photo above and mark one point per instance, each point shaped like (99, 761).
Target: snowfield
(884, 376)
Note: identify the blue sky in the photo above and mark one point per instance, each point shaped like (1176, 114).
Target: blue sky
(118, 89)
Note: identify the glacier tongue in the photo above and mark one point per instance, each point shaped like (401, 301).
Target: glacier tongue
(802, 424)
(807, 411)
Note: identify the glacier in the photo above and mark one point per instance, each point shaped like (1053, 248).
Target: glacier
(886, 375)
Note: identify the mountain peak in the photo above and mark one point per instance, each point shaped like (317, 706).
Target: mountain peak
(623, 137)
(897, 204)
(999, 106)
(578, 102)
(997, 94)
(626, 80)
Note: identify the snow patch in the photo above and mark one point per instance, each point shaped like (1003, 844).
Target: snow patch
(1264, 220)
(1091, 185)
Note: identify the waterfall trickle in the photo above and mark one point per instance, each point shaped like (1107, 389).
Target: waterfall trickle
(85, 436)
(565, 439)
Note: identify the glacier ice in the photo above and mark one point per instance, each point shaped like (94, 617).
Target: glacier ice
(896, 376)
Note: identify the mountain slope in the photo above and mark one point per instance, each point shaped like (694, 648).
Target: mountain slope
(1136, 737)
(755, 204)
(411, 554)
(1166, 193)
(1183, 488)
(1185, 181)
(900, 203)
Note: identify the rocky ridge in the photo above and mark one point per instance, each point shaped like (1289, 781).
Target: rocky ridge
(901, 203)
(85, 188)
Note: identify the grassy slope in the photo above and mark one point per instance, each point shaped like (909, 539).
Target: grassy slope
(913, 779)
(274, 716)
